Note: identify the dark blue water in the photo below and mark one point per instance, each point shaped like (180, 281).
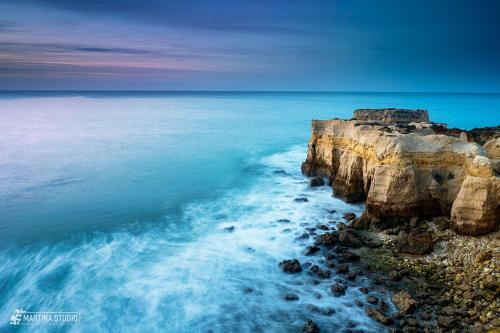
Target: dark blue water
(114, 204)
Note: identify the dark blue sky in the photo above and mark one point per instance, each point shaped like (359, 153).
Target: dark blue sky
(349, 45)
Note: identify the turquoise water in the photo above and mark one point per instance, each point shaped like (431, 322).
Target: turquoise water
(114, 205)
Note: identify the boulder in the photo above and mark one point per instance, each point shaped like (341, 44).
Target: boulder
(415, 241)
(404, 302)
(328, 239)
(290, 266)
(378, 316)
(349, 238)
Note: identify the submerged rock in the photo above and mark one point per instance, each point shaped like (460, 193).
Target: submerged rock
(342, 269)
(310, 327)
(338, 289)
(316, 182)
(301, 200)
(291, 266)
(351, 276)
(322, 273)
(229, 229)
(291, 297)
(310, 250)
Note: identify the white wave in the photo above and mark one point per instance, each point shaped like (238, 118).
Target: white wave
(224, 278)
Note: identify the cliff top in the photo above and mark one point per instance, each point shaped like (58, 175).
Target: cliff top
(391, 115)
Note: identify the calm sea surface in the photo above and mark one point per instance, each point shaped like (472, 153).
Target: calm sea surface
(115, 205)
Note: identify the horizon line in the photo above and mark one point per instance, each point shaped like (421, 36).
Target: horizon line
(249, 91)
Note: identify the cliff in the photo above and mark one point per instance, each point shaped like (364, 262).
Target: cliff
(404, 167)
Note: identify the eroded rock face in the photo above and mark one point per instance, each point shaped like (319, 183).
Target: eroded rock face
(406, 170)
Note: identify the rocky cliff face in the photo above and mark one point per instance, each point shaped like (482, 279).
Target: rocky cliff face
(408, 169)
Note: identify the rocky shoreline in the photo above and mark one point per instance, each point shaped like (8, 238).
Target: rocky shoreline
(454, 288)
(424, 186)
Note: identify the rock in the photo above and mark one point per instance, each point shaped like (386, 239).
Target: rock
(364, 290)
(310, 250)
(301, 200)
(351, 276)
(383, 307)
(328, 239)
(475, 210)
(372, 299)
(322, 273)
(448, 310)
(483, 256)
(316, 182)
(378, 316)
(348, 257)
(358, 303)
(349, 216)
(342, 269)
(407, 170)
(310, 327)
(410, 329)
(395, 276)
(445, 321)
(291, 297)
(425, 316)
(347, 237)
(290, 266)
(229, 229)
(248, 290)
(322, 227)
(305, 235)
(415, 242)
(404, 302)
(338, 289)
(330, 263)
(323, 311)
(328, 311)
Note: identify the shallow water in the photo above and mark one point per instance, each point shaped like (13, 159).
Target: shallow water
(116, 206)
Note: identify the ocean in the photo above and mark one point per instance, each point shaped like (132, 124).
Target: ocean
(160, 211)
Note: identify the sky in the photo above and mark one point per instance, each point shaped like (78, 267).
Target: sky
(320, 45)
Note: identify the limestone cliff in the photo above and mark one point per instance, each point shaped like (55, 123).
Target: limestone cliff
(405, 169)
